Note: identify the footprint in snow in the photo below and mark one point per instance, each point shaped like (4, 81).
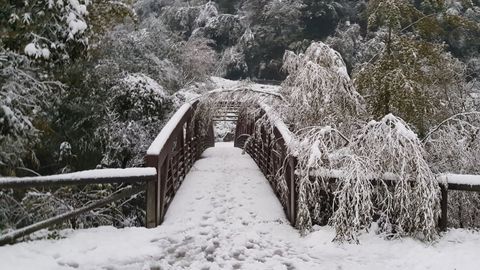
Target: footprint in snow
(72, 264)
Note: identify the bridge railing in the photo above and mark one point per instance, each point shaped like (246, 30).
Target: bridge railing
(138, 177)
(168, 159)
(173, 153)
(269, 149)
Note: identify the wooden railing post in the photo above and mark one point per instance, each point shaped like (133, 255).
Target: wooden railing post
(241, 132)
(152, 194)
(443, 222)
(210, 136)
(162, 190)
(292, 195)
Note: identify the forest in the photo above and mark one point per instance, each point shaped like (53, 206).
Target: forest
(89, 84)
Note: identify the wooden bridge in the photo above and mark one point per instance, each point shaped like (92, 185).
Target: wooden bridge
(173, 153)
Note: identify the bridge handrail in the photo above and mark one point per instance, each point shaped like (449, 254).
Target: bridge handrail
(98, 176)
(454, 181)
(170, 127)
(275, 160)
(173, 152)
(278, 124)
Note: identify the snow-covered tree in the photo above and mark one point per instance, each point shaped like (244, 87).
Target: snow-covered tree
(197, 60)
(135, 107)
(454, 146)
(321, 17)
(45, 29)
(318, 89)
(23, 97)
(182, 19)
(150, 49)
(232, 64)
(410, 203)
(315, 152)
(284, 16)
(224, 29)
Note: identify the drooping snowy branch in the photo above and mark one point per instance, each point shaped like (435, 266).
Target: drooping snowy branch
(319, 89)
(411, 206)
(454, 146)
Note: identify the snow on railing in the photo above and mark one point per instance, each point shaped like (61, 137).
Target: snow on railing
(168, 129)
(444, 178)
(459, 179)
(82, 177)
(277, 122)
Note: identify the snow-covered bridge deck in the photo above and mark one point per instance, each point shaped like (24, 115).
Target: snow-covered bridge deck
(225, 216)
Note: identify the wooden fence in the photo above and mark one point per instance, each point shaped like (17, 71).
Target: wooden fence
(140, 176)
(169, 158)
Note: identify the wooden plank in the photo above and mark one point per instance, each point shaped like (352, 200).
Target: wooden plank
(464, 187)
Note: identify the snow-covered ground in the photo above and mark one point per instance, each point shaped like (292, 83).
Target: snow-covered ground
(225, 216)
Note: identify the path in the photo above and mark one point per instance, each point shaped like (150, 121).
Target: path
(225, 216)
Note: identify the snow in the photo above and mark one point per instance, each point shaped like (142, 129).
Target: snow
(88, 174)
(287, 135)
(148, 85)
(80, 9)
(223, 129)
(338, 174)
(225, 216)
(400, 128)
(164, 134)
(223, 85)
(315, 153)
(34, 50)
(76, 25)
(465, 179)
